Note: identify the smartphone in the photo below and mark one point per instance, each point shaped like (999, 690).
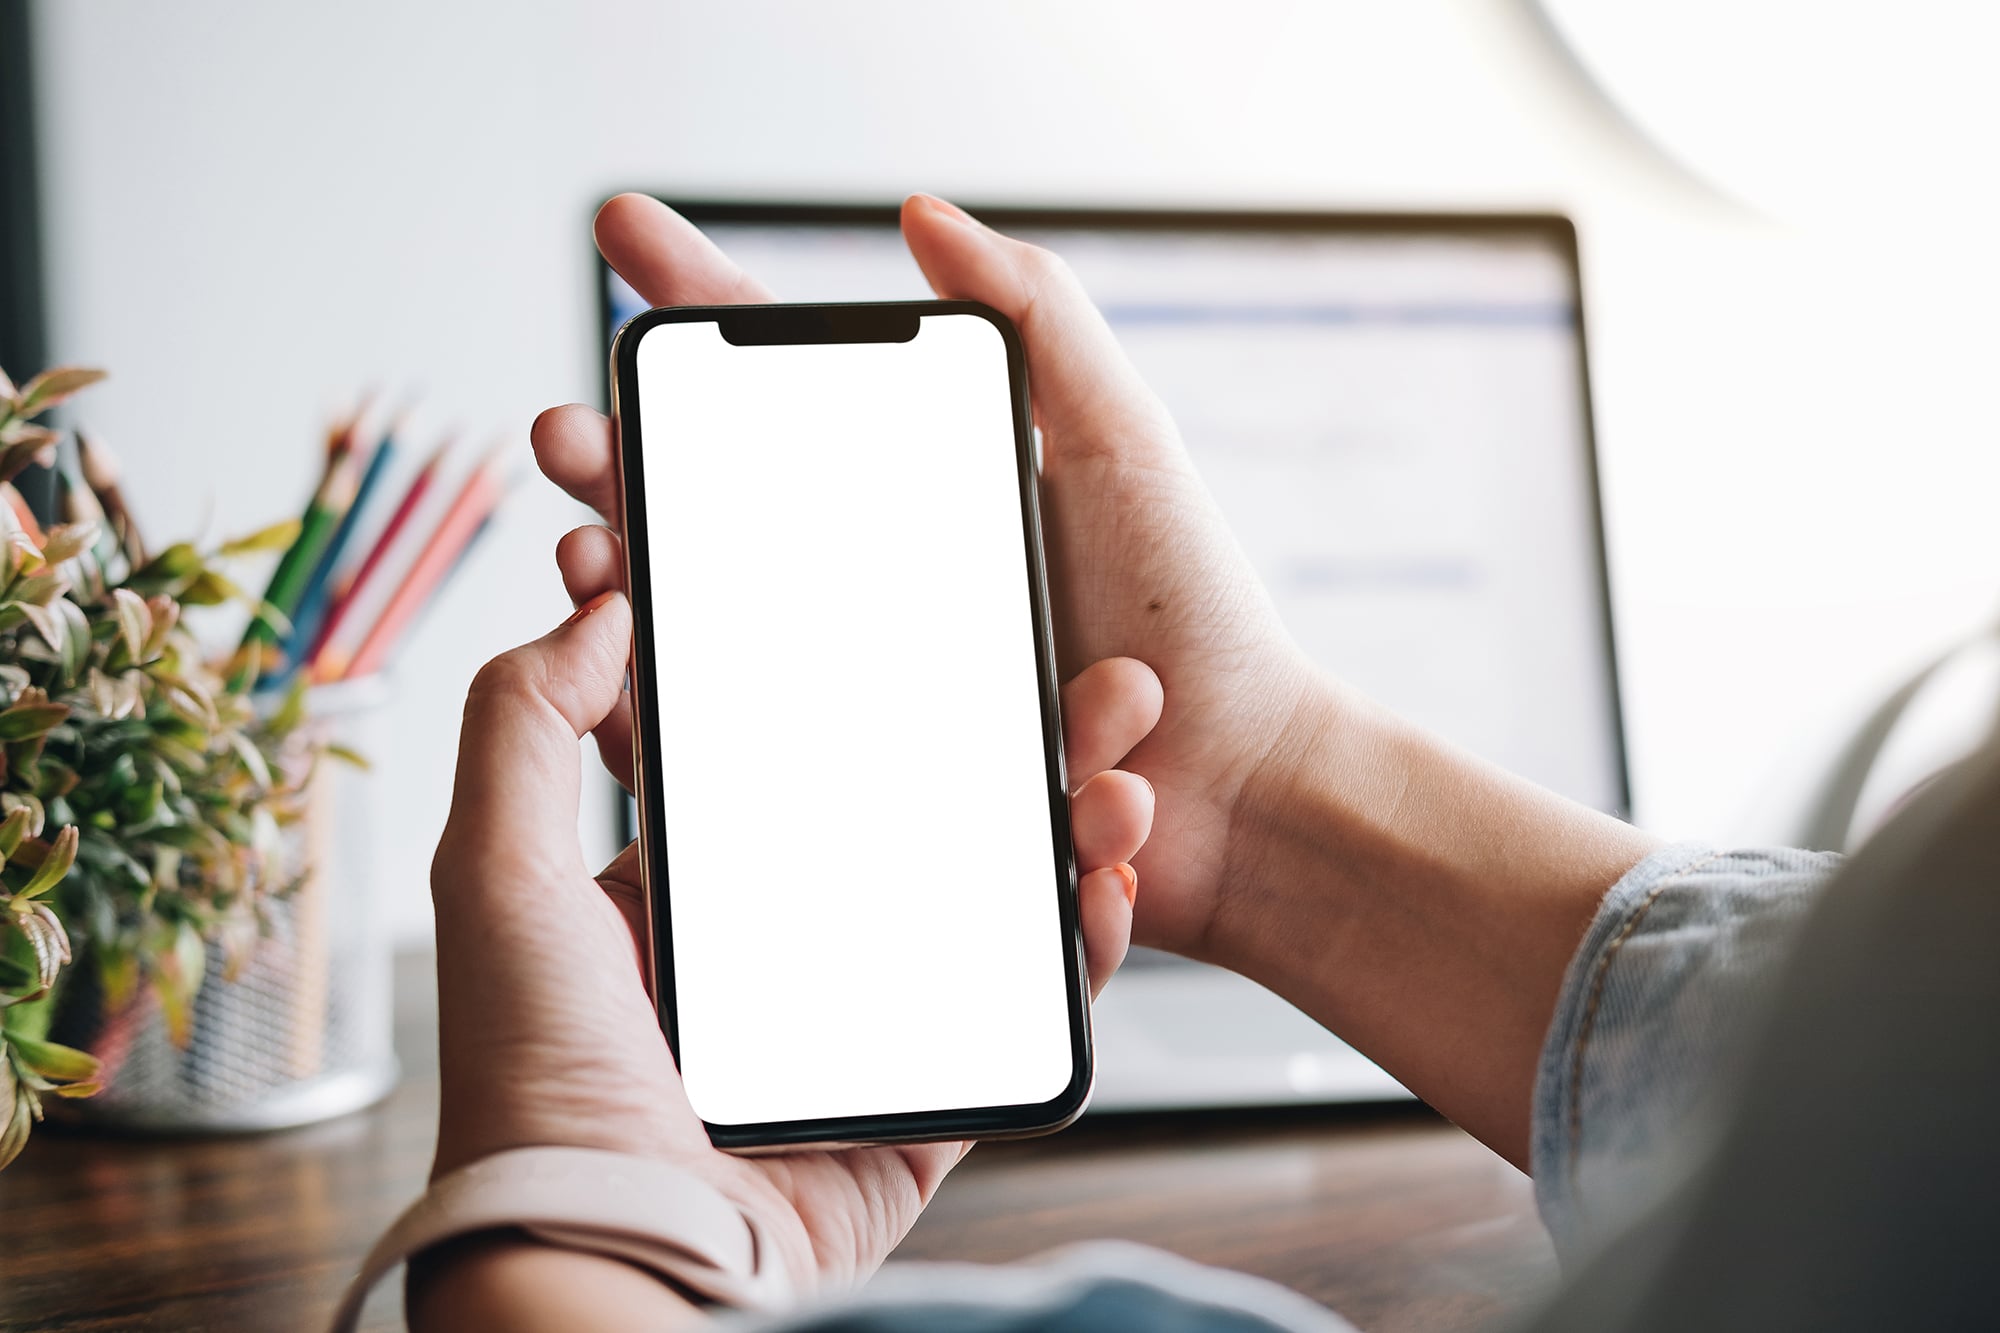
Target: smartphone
(853, 812)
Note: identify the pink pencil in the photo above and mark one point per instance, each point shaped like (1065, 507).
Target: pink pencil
(348, 596)
(474, 502)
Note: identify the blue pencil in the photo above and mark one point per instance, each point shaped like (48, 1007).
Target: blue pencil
(318, 595)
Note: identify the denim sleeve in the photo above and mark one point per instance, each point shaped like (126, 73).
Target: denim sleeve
(1097, 1287)
(1650, 1011)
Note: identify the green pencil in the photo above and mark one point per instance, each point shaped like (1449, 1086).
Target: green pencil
(329, 503)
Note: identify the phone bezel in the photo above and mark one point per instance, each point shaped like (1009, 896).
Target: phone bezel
(829, 323)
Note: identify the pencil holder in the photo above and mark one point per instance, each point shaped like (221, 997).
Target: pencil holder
(302, 1031)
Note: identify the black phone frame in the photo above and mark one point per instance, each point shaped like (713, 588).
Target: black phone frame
(888, 321)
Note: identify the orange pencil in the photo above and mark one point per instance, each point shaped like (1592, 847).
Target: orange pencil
(344, 603)
(471, 508)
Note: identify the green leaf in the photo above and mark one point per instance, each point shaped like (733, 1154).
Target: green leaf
(117, 974)
(268, 612)
(23, 721)
(12, 829)
(177, 562)
(170, 780)
(24, 445)
(250, 756)
(265, 837)
(191, 699)
(103, 692)
(177, 974)
(16, 430)
(57, 1064)
(166, 613)
(69, 540)
(40, 588)
(31, 1019)
(128, 695)
(209, 588)
(16, 975)
(292, 711)
(78, 655)
(348, 755)
(51, 625)
(61, 855)
(135, 621)
(52, 386)
(58, 779)
(277, 537)
(20, 1116)
(24, 762)
(23, 556)
(139, 804)
(28, 801)
(47, 940)
(181, 755)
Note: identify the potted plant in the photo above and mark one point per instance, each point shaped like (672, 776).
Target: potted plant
(147, 801)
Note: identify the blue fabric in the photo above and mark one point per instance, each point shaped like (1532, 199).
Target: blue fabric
(1651, 1012)
(1107, 1306)
(1099, 1287)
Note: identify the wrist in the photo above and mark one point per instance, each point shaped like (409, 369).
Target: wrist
(652, 1216)
(1290, 815)
(1418, 901)
(505, 1282)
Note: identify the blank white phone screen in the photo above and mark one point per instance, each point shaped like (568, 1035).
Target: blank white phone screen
(861, 886)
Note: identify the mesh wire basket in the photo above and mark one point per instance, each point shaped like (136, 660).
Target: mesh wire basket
(303, 1032)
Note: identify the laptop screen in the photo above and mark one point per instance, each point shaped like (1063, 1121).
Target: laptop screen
(1392, 412)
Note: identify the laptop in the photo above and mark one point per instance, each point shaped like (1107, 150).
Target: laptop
(1393, 411)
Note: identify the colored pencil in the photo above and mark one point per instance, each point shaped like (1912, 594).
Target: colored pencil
(374, 566)
(474, 502)
(318, 594)
(330, 501)
(471, 543)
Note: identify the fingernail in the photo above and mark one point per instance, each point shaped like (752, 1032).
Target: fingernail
(949, 209)
(1149, 785)
(1131, 878)
(587, 608)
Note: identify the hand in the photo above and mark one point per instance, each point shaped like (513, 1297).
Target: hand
(1415, 900)
(546, 1032)
(1140, 561)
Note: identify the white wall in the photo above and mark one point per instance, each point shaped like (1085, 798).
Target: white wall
(255, 209)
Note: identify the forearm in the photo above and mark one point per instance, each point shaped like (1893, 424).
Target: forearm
(504, 1283)
(1419, 902)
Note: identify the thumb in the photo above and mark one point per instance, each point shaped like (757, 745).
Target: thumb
(519, 776)
(1087, 394)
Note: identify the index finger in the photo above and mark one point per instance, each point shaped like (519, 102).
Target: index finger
(667, 259)
(668, 262)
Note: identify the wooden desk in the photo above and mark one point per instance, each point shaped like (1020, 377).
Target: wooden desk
(1391, 1216)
